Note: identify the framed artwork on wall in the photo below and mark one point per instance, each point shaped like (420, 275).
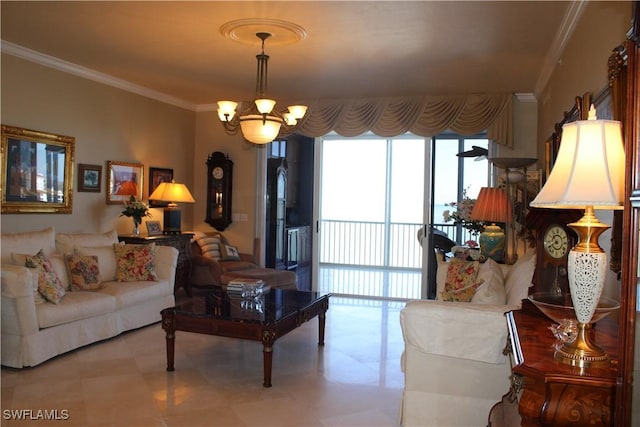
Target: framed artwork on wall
(124, 179)
(156, 177)
(89, 178)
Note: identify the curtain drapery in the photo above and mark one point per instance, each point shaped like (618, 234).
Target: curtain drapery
(424, 116)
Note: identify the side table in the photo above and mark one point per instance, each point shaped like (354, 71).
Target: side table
(554, 393)
(182, 242)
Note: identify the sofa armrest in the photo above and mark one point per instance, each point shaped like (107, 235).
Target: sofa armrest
(18, 303)
(462, 330)
(166, 263)
(18, 281)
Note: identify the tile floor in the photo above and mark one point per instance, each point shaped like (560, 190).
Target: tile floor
(354, 380)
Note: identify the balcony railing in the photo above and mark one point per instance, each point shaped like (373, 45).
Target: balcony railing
(374, 258)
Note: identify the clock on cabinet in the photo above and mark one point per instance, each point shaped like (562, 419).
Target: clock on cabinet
(554, 240)
(219, 184)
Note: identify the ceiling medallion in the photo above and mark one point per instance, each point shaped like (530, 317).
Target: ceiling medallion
(282, 33)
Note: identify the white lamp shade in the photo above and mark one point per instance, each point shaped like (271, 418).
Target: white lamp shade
(172, 192)
(589, 169)
(226, 110)
(289, 119)
(297, 111)
(264, 105)
(260, 130)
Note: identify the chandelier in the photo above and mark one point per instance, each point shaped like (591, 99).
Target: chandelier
(259, 123)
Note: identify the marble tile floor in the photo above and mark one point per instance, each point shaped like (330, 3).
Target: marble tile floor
(354, 380)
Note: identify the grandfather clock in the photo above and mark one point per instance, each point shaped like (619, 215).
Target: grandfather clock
(219, 185)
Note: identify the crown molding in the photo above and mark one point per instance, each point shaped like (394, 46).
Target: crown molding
(87, 73)
(206, 107)
(568, 24)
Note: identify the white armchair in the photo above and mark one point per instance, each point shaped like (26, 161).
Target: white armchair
(454, 365)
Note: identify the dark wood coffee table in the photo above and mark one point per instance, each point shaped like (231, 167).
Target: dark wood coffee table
(216, 312)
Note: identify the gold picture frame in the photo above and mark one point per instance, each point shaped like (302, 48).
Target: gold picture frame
(124, 179)
(36, 171)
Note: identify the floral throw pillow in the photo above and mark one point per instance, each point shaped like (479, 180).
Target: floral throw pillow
(135, 262)
(49, 285)
(84, 272)
(461, 282)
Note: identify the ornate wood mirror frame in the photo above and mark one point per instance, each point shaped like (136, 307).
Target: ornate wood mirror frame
(36, 171)
(624, 74)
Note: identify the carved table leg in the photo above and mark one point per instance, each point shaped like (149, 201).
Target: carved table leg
(169, 326)
(268, 337)
(321, 323)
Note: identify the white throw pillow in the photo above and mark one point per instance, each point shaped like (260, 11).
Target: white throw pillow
(491, 291)
(518, 279)
(65, 242)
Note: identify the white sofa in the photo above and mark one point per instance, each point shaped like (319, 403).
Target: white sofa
(34, 330)
(453, 362)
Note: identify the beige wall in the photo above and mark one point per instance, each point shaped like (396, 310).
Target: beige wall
(108, 124)
(583, 68)
(583, 65)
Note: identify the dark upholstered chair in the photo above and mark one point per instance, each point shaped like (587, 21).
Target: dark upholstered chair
(213, 267)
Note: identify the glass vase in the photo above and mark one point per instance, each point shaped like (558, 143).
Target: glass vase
(136, 227)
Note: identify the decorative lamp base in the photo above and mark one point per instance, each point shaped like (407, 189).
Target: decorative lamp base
(582, 352)
(492, 243)
(587, 267)
(172, 220)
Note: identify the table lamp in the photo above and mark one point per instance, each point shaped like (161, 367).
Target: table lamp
(492, 206)
(588, 174)
(173, 193)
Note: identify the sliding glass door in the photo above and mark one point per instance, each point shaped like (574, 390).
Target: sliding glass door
(376, 195)
(371, 206)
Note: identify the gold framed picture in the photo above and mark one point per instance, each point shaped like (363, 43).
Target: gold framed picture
(124, 179)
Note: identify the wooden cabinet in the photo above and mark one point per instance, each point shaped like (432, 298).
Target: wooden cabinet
(554, 394)
(182, 242)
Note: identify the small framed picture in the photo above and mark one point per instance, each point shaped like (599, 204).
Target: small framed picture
(156, 177)
(153, 228)
(89, 178)
(124, 180)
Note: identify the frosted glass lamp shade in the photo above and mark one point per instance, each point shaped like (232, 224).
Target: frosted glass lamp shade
(226, 110)
(265, 106)
(259, 129)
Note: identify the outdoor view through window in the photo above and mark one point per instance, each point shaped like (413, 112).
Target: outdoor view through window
(373, 201)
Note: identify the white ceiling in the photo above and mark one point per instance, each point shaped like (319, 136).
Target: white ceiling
(351, 49)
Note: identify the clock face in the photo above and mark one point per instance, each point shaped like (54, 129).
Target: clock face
(218, 172)
(556, 241)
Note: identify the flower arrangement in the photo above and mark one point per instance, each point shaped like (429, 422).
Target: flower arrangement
(462, 215)
(135, 209)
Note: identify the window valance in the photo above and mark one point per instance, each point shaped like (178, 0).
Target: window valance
(424, 116)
